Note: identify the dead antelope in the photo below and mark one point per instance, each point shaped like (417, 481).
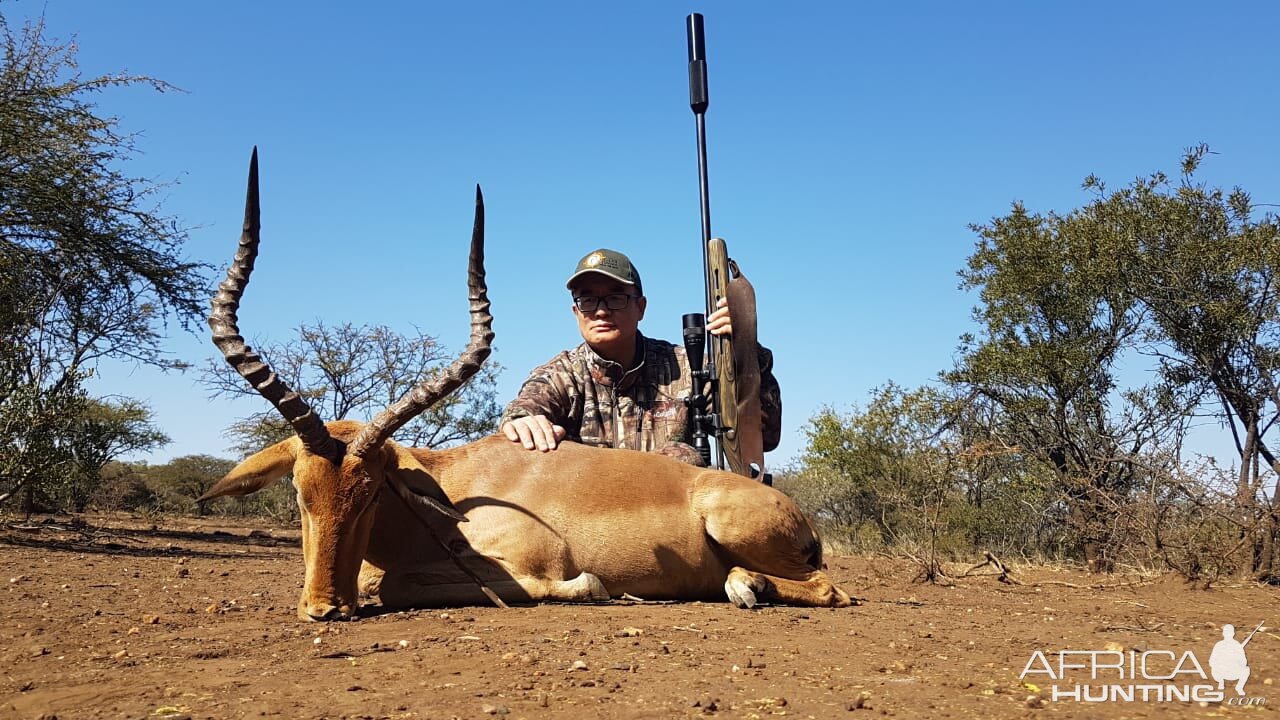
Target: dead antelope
(580, 523)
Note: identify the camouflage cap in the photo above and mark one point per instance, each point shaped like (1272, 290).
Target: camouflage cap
(608, 262)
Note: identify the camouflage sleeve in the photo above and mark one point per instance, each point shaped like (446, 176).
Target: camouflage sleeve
(549, 390)
(770, 401)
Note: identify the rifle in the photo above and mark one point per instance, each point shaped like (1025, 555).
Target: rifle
(731, 413)
(1255, 632)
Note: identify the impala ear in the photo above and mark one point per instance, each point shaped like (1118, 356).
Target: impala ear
(257, 471)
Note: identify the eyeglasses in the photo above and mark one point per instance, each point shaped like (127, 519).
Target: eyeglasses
(588, 304)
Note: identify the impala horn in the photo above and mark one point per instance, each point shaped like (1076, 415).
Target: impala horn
(226, 335)
(430, 391)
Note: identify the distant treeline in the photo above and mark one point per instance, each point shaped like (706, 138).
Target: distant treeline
(1030, 446)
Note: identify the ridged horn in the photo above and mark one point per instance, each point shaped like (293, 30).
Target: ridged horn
(427, 393)
(226, 335)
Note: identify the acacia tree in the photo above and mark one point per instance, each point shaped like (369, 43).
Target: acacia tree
(1208, 276)
(350, 371)
(105, 430)
(1057, 316)
(32, 422)
(89, 267)
(178, 483)
(867, 466)
(919, 466)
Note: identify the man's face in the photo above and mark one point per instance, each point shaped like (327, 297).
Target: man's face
(606, 328)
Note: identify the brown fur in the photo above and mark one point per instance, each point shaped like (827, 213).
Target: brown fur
(578, 523)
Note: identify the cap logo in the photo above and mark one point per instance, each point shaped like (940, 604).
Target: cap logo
(594, 259)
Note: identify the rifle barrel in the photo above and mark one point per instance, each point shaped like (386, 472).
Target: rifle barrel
(699, 100)
(1255, 632)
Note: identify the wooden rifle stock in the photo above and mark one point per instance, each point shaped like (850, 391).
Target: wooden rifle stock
(738, 368)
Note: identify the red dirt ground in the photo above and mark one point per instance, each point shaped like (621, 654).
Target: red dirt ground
(195, 619)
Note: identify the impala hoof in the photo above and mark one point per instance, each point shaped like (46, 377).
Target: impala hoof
(740, 592)
(324, 613)
(593, 589)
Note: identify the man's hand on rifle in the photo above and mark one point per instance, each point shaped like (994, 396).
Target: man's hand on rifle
(535, 432)
(718, 323)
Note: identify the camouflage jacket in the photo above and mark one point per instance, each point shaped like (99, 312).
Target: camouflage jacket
(600, 403)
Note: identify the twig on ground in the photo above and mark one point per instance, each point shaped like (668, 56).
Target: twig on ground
(347, 654)
(96, 534)
(628, 597)
(992, 560)
(1129, 628)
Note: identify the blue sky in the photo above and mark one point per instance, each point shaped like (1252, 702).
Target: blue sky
(850, 147)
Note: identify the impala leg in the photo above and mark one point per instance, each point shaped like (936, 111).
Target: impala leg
(775, 553)
(369, 582)
(745, 588)
(446, 586)
(758, 526)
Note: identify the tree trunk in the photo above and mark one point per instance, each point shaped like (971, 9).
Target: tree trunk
(1089, 521)
(29, 500)
(1266, 570)
(1245, 505)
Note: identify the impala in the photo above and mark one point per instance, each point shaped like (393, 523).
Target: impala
(491, 520)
